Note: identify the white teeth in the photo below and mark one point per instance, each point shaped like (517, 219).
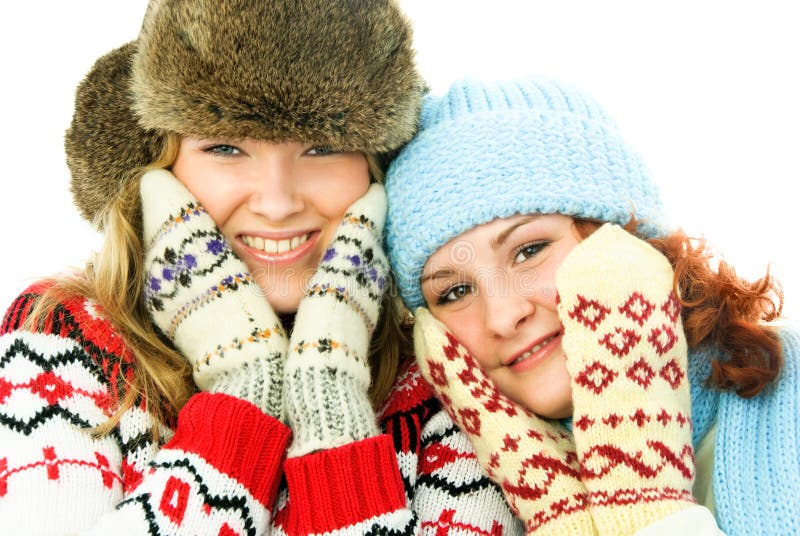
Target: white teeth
(532, 351)
(274, 246)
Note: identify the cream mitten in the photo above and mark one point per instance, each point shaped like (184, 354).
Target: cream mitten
(327, 371)
(626, 355)
(203, 298)
(532, 459)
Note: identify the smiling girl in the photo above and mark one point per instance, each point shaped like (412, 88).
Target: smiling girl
(610, 373)
(233, 360)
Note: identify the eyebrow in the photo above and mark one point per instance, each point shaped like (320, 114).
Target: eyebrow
(496, 243)
(436, 275)
(501, 238)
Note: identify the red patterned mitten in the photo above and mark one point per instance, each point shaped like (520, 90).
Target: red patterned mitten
(533, 460)
(626, 355)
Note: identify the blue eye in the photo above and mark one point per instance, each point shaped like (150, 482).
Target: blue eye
(320, 150)
(529, 250)
(223, 150)
(453, 294)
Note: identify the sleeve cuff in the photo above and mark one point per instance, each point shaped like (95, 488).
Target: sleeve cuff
(340, 487)
(236, 438)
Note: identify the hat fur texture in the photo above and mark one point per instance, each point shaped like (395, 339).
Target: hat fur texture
(335, 73)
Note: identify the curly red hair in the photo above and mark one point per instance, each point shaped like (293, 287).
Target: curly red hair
(721, 308)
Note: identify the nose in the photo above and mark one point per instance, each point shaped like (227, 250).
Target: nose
(276, 192)
(506, 314)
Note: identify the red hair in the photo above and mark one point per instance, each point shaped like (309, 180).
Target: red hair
(722, 309)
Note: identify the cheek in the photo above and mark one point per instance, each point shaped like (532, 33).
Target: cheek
(468, 330)
(333, 191)
(218, 194)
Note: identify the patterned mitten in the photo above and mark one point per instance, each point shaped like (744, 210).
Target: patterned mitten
(626, 356)
(327, 371)
(202, 297)
(532, 459)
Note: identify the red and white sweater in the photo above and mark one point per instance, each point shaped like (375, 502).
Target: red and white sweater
(221, 469)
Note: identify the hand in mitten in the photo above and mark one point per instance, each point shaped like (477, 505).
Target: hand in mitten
(203, 298)
(327, 370)
(532, 459)
(626, 356)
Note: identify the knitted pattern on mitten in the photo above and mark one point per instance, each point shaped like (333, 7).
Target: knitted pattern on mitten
(532, 459)
(203, 298)
(327, 370)
(626, 355)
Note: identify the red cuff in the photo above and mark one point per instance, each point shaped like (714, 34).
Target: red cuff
(237, 438)
(340, 487)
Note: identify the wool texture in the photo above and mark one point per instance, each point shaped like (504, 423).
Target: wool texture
(327, 370)
(204, 299)
(221, 469)
(627, 360)
(533, 460)
(489, 150)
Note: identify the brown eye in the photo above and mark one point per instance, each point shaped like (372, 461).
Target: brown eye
(529, 250)
(454, 294)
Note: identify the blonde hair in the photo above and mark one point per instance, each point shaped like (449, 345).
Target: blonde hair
(113, 278)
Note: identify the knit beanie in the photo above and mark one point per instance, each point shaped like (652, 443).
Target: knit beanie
(488, 150)
(338, 74)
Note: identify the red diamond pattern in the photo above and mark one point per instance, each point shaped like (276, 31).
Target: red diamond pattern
(637, 308)
(470, 419)
(510, 444)
(672, 307)
(174, 499)
(640, 417)
(662, 339)
(664, 417)
(641, 373)
(438, 375)
(5, 390)
(589, 312)
(613, 420)
(50, 387)
(672, 374)
(620, 341)
(596, 377)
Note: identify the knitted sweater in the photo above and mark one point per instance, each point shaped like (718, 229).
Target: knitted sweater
(221, 469)
(756, 469)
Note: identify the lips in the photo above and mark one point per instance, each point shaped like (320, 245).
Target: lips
(285, 248)
(538, 349)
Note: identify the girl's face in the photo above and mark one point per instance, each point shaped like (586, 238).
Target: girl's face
(277, 204)
(494, 288)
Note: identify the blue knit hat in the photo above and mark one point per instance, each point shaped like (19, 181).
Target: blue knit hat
(488, 150)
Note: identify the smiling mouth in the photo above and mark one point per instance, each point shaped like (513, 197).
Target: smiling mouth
(275, 246)
(528, 353)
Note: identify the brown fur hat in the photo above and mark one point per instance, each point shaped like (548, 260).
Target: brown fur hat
(339, 73)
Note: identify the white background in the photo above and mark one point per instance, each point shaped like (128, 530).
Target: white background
(707, 91)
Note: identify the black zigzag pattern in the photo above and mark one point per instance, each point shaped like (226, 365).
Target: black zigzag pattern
(75, 355)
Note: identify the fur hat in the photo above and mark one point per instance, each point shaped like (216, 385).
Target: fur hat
(339, 73)
(488, 150)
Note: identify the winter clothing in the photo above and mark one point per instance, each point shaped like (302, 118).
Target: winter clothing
(533, 459)
(338, 74)
(193, 281)
(492, 150)
(327, 371)
(756, 469)
(220, 470)
(626, 357)
(489, 150)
